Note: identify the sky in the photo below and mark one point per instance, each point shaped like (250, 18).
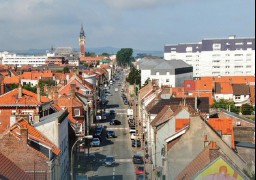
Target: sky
(137, 24)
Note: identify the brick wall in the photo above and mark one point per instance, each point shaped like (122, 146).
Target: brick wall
(24, 156)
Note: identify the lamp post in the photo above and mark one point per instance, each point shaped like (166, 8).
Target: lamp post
(88, 137)
(72, 163)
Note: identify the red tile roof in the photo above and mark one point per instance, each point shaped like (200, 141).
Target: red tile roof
(33, 133)
(10, 170)
(11, 80)
(5, 119)
(223, 88)
(92, 58)
(225, 126)
(181, 123)
(28, 98)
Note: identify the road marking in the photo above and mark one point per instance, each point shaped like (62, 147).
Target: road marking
(114, 172)
(123, 160)
(118, 128)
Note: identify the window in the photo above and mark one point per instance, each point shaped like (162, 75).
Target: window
(189, 49)
(239, 43)
(227, 66)
(237, 97)
(77, 112)
(216, 46)
(238, 54)
(167, 80)
(249, 43)
(238, 66)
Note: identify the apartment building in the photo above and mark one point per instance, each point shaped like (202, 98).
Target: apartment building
(230, 56)
(21, 60)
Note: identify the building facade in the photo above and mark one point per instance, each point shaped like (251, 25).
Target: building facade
(163, 72)
(216, 57)
(14, 59)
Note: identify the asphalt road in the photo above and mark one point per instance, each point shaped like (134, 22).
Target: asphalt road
(119, 147)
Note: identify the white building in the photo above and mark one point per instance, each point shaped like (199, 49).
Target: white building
(55, 128)
(212, 57)
(169, 73)
(19, 60)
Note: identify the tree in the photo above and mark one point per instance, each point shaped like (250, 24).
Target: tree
(30, 88)
(134, 76)
(105, 54)
(66, 69)
(124, 57)
(247, 109)
(226, 104)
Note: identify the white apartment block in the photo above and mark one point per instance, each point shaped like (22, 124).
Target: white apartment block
(13, 59)
(165, 73)
(216, 57)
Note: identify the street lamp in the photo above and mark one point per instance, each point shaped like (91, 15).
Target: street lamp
(72, 149)
(88, 137)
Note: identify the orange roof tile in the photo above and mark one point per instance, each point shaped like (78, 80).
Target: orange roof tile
(223, 88)
(92, 58)
(5, 119)
(33, 133)
(204, 84)
(225, 126)
(181, 123)
(28, 98)
(11, 80)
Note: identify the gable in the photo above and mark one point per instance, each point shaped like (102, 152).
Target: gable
(219, 169)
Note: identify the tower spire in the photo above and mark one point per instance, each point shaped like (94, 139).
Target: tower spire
(82, 41)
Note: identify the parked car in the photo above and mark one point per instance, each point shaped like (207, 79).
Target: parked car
(95, 142)
(140, 170)
(112, 112)
(126, 102)
(137, 159)
(109, 161)
(98, 132)
(134, 136)
(115, 122)
(140, 177)
(136, 143)
(111, 133)
(91, 158)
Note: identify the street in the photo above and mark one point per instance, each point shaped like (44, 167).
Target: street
(119, 147)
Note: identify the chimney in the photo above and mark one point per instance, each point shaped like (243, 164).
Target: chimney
(12, 119)
(2, 88)
(196, 104)
(214, 151)
(19, 91)
(55, 96)
(206, 142)
(24, 136)
(36, 118)
(38, 93)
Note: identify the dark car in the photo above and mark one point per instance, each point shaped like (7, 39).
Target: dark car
(126, 102)
(91, 158)
(112, 112)
(111, 133)
(115, 122)
(136, 143)
(137, 159)
(109, 161)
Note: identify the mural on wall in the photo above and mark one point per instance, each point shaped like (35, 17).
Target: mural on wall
(219, 170)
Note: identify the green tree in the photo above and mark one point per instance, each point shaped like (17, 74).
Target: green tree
(134, 76)
(247, 109)
(105, 54)
(124, 57)
(45, 82)
(66, 69)
(146, 82)
(12, 86)
(226, 104)
(30, 88)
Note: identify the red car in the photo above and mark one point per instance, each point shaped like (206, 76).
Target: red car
(140, 170)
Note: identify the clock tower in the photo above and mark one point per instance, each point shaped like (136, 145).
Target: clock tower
(82, 42)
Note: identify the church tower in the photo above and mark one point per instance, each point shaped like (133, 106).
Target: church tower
(82, 42)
